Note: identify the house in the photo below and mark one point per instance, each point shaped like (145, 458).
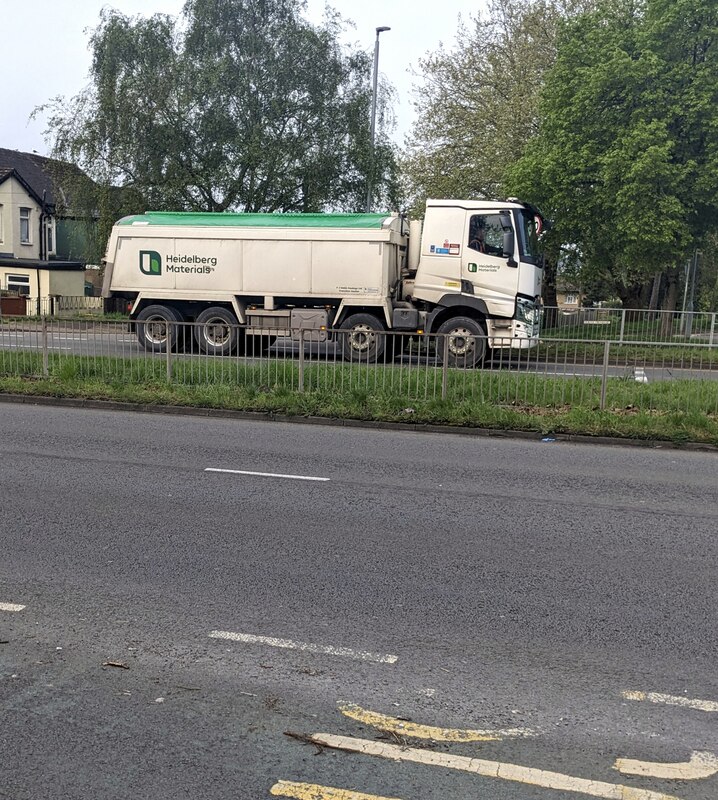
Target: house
(41, 244)
(568, 295)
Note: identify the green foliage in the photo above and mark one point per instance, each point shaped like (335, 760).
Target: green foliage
(236, 104)
(626, 160)
(479, 103)
(707, 290)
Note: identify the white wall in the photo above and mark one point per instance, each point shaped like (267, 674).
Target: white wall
(13, 197)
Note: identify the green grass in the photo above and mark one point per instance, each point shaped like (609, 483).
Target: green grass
(638, 326)
(678, 410)
(689, 356)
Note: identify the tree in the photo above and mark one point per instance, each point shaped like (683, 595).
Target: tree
(236, 105)
(626, 160)
(707, 286)
(479, 102)
(478, 107)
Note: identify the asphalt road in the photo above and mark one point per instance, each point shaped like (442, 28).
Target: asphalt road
(477, 614)
(123, 344)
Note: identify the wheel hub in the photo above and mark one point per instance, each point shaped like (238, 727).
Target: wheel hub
(362, 337)
(156, 330)
(217, 333)
(461, 342)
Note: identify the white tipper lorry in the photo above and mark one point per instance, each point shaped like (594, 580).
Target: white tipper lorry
(471, 273)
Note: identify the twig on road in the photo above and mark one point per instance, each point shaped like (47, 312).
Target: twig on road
(302, 737)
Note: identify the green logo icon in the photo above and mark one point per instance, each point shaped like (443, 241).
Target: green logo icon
(150, 262)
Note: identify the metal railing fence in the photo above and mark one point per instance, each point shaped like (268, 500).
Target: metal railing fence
(52, 306)
(613, 324)
(555, 373)
(628, 324)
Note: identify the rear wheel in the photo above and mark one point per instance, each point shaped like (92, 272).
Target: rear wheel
(157, 328)
(462, 340)
(216, 331)
(363, 338)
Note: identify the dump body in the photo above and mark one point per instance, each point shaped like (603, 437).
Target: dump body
(256, 259)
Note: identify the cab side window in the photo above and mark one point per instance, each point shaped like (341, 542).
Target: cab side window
(486, 235)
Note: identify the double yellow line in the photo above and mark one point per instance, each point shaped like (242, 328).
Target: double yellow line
(494, 769)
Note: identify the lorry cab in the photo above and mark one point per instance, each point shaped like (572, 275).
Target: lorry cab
(479, 259)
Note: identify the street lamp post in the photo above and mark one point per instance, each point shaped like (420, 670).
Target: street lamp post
(373, 115)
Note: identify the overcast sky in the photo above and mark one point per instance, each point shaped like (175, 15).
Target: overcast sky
(45, 49)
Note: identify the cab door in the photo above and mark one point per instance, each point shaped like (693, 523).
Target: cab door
(484, 265)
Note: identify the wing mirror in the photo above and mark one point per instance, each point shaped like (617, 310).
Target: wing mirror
(509, 244)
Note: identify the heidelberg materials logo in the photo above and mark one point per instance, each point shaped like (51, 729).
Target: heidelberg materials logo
(150, 262)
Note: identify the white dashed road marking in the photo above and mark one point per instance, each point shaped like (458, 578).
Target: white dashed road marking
(347, 652)
(29, 347)
(268, 474)
(11, 607)
(672, 700)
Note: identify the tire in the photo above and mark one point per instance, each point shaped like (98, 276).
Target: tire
(363, 338)
(217, 331)
(155, 329)
(466, 339)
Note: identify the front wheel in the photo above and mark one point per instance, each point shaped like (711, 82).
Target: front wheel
(362, 338)
(462, 341)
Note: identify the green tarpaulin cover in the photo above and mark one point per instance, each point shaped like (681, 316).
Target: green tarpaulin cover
(207, 219)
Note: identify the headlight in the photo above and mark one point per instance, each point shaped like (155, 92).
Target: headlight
(527, 312)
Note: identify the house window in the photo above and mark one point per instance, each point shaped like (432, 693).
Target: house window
(50, 236)
(25, 226)
(571, 299)
(19, 284)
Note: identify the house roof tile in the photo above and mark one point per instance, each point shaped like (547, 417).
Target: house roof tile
(36, 171)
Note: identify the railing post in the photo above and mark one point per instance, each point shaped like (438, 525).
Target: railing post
(604, 374)
(301, 359)
(168, 351)
(444, 366)
(713, 328)
(45, 358)
(623, 325)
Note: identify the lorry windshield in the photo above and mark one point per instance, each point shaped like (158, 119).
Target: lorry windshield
(528, 239)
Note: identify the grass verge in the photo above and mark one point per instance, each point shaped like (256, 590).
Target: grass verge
(678, 411)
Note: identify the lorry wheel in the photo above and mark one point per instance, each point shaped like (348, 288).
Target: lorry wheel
(216, 331)
(155, 329)
(466, 342)
(364, 338)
